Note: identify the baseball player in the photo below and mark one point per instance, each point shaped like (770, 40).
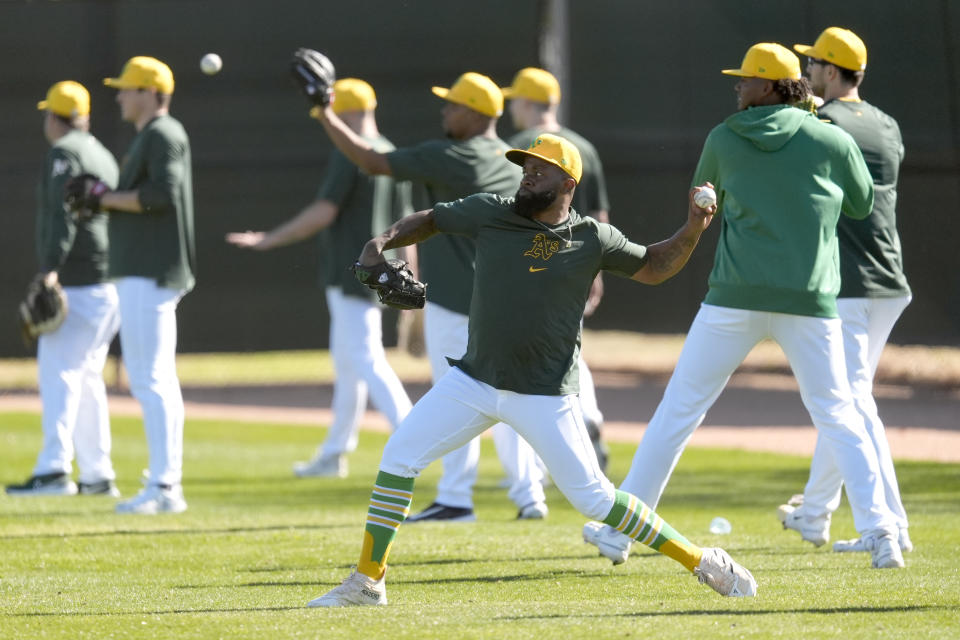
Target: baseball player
(538, 255)
(873, 287)
(470, 160)
(534, 99)
(152, 259)
(70, 359)
(783, 178)
(349, 206)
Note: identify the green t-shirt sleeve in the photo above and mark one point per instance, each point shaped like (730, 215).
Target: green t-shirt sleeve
(620, 256)
(58, 226)
(462, 217)
(858, 185)
(165, 173)
(426, 162)
(339, 179)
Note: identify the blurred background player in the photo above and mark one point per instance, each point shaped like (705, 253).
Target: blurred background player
(783, 178)
(70, 360)
(534, 99)
(350, 207)
(153, 260)
(470, 160)
(873, 286)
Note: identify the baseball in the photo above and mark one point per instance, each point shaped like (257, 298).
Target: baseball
(211, 64)
(705, 197)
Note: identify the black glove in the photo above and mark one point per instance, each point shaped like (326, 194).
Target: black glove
(394, 283)
(82, 194)
(43, 309)
(315, 74)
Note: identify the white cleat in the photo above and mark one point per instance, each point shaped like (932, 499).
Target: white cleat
(533, 511)
(884, 550)
(813, 529)
(154, 499)
(865, 543)
(719, 571)
(611, 543)
(329, 466)
(356, 589)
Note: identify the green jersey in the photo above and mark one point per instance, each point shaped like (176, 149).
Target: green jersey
(871, 263)
(782, 178)
(157, 243)
(366, 205)
(452, 169)
(591, 193)
(529, 290)
(76, 249)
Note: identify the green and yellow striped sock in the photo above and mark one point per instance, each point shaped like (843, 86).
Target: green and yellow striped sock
(389, 507)
(633, 518)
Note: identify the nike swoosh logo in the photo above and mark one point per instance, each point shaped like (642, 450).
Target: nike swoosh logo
(534, 270)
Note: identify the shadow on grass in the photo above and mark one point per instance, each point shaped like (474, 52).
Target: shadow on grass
(161, 532)
(39, 614)
(735, 612)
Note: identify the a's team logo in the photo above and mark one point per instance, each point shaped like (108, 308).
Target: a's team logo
(542, 248)
(60, 167)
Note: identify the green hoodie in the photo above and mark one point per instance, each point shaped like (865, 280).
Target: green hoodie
(782, 178)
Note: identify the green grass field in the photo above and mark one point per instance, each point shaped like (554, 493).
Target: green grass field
(257, 544)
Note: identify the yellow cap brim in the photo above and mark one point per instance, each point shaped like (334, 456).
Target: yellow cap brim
(508, 92)
(517, 156)
(440, 91)
(42, 105)
(736, 72)
(804, 50)
(118, 83)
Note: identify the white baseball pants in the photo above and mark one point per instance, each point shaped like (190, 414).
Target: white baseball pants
(360, 363)
(70, 365)
(148, 339)
(717, 343)
(459, 408)
(445, 334)
(866, 323)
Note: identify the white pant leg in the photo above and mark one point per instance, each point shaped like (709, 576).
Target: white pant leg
(65, 359)
(814, 347)
(718, 341)
(588, 395)
(454, 411)
(554, 427)
(521, 464)
(866, 323)
(148, 339)
(356, 344)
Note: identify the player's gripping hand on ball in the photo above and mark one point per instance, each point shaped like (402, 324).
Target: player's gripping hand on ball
(703, 205)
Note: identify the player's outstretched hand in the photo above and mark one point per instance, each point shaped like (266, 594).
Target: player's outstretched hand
(246, 239)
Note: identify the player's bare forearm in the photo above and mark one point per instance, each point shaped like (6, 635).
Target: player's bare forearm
(318, 215)
(128, 201)
(665, 259)
(410, 229)
(357, 150)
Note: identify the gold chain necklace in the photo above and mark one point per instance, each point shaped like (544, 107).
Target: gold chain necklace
(567, 241)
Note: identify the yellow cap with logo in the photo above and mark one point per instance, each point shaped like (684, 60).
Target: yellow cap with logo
(838, 46)
(68, 99)
(143, 72)
(553, 149)
(353, 94)
(476, 91)
(768, 60)
(534, 84)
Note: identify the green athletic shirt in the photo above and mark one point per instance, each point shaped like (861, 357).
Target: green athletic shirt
(782, 178)
(366, 205)
(591, 193)
(159, 242)
(871, 263)
(529, 291)
(449, 170)
(76, 249)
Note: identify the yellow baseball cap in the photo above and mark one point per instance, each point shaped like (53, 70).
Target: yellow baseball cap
(476, 91)
(143, 72)
(353, 94)
(534, 84)
(553, 149)
(768, 60)
(68, 99)
(838, 46)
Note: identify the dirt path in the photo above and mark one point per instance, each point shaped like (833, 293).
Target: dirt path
(756, 412)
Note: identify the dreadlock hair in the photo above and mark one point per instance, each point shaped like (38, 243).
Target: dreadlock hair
(793, 92)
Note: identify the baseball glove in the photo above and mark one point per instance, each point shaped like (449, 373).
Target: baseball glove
(394, 283)
(43, 309)
(315, 74)
(82, 194)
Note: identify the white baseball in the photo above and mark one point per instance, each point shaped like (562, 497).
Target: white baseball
(705, 197)
(211, 64)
